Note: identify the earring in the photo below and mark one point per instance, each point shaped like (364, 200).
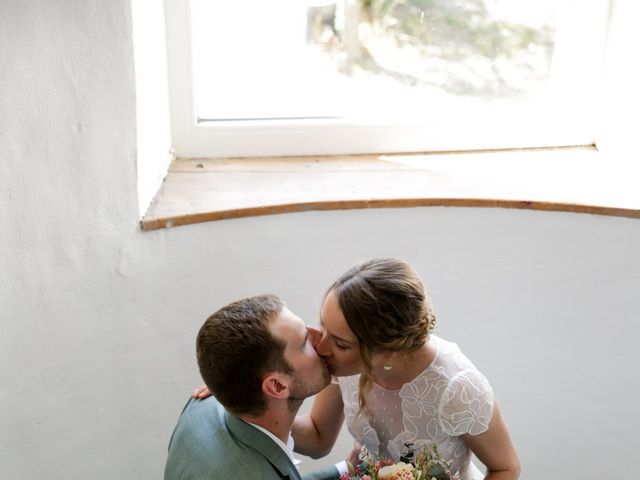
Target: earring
(387, 367)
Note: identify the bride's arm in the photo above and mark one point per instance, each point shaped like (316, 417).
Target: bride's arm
(316, 433)
(495, 450)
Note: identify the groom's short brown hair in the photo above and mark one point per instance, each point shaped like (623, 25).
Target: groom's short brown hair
(235, 349)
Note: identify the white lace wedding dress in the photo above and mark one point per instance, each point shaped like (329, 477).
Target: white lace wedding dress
(448, 399)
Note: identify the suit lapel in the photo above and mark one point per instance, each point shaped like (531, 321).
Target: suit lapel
(254, 438)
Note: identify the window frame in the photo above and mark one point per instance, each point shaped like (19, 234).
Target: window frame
(191, 138)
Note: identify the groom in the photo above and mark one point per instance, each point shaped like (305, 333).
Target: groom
(259, 361)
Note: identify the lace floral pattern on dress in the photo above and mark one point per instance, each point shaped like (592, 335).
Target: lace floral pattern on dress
(448, 399)
(467, 405)
(358, 426)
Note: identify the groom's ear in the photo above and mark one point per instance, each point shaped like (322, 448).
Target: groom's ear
(276, 385)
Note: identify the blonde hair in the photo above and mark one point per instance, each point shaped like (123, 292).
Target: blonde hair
(386, 306)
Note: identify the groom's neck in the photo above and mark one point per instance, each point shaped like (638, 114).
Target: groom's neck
(277, 418)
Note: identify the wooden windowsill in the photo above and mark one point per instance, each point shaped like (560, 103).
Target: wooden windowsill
(577, 179)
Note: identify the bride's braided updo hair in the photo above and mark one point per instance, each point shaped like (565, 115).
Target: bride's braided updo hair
(386, 306)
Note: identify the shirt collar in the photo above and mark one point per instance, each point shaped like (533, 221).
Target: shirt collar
(288, 448)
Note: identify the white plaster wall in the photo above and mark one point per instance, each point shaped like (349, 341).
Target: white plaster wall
(98, 319)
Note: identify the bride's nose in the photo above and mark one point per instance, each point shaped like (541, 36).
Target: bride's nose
(315, 336)
(319, 341)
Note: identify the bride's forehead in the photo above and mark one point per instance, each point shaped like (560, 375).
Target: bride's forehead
(331, 307)
(333, 319)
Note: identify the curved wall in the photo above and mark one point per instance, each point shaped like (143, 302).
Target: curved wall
(98, 319)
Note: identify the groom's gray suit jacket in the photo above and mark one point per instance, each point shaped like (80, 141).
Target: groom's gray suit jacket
(210, 443)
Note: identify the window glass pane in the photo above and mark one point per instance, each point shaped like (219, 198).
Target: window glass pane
(402, 60)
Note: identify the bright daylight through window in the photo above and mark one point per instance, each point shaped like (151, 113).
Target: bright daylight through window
(366, 76)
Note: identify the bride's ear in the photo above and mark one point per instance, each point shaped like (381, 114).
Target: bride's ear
(276, 385)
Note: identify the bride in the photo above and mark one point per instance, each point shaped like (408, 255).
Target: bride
(398, 383)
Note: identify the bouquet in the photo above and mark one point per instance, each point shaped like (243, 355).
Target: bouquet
(426, 465)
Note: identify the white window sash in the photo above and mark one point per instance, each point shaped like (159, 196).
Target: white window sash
(569, 118)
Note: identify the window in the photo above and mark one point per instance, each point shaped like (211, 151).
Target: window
(315, 77)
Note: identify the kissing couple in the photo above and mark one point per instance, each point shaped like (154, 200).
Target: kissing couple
(394, 382)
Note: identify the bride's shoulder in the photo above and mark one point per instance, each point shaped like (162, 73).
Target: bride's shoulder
(444, 349)
(450, 356)
(443, 345)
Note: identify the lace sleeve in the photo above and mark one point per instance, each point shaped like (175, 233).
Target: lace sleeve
(467, 404)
